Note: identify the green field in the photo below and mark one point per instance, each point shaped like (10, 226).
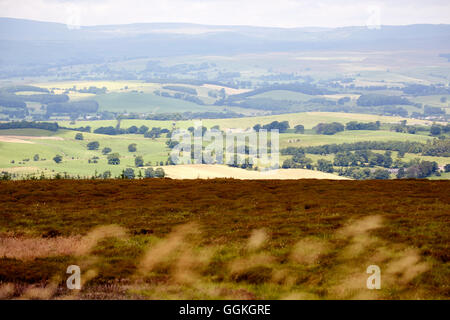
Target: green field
(347, 137)
(284, 95)
(75, 154)
(307, 119)
(147, 103)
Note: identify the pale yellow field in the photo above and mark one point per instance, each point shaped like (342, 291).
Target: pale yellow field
(209, 171)
(25, 139)
(227, 89)
(116, 86)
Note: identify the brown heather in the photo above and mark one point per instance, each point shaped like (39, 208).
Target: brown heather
(225, 239)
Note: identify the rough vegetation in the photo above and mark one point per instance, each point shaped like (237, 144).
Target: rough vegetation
(162, 238)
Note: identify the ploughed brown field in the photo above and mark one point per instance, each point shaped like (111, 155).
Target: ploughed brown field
(225, 239)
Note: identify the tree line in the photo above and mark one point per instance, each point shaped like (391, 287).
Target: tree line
(50, 126)
(435, 147)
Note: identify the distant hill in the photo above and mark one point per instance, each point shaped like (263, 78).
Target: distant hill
(32, 42)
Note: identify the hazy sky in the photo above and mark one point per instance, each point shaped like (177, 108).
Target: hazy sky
(281, 13)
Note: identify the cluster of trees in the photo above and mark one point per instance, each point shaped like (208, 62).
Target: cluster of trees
(282, 126)
(15, 113)
(370, 100)
(46, 98)
(93, 145)
(19, 88)
(358, 164)
(81, 129)
(401, 146)
(395, 111)
(12, 101)
(194, 115)
(329, 128)
(355, 125)
(78, 107)
(437, 148)
(156, 133)
(419, 170)
(93, 89)
(364, 173)
(217, 93)
(110, 130)
(430, 111)
(324, 165)
(158, 173)
(127, 173)
(424, 90)
(153, 133)
(181, 96)
(30, 125)
(403, 128)
(438, 129)
(298, 161)
(246, 164)
(156, 67)
(363, 158)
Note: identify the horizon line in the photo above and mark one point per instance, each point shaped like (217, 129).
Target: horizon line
(227, 25)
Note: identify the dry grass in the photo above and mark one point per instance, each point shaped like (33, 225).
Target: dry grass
(27, 248)
(224, 239)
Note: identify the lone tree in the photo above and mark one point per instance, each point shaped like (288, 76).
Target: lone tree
(36, 157)
(128, 173)
(139, 161)
(79, 136)
(57, 158)
(114, 159)
(132, 147)
(93, 145)
(106, 150)
(380, 174)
